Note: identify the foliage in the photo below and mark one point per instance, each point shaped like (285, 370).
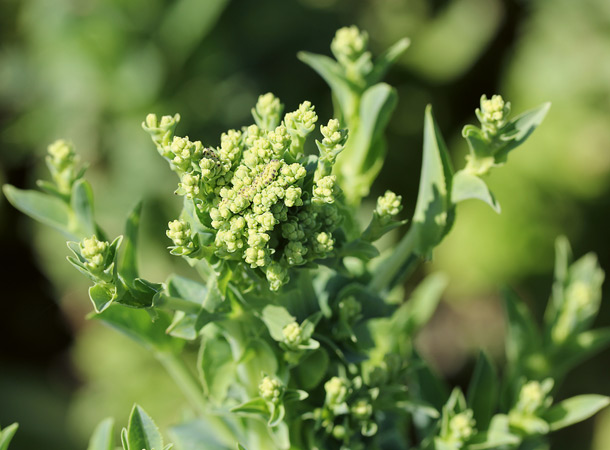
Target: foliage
(299, 343)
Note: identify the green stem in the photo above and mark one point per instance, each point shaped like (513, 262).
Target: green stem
(402, 259)
(192, 390)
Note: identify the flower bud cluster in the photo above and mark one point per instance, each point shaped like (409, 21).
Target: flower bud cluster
(350, 47)
(185, 242)
(492, 114)
(94, 251)
(254, 193)
(61, 161)
(271, 389)
(461, 428)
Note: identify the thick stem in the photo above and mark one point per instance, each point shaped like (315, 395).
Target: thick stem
(192, 390)
(402, 259)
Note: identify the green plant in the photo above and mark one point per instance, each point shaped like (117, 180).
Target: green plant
(303, 340)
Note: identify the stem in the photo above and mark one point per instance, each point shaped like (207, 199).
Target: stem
(402, 259)
(192, 390)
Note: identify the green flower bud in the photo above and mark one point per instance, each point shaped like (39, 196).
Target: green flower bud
(302, 121)
(256, 257)
(189, 185)
(388, 205)
(271, 389)
(334, 137)
(534, 396)
(277, 275)
(323, 243)
(230, 146)
(461, 426)
(362, 409)
(349, 43)
(161, 131)
(267, 111)
(61, 155)
(324, 190)
(294, 253)
(94, 252)
(493, 114)
(337, 390)
(292, 334)
(292, 196)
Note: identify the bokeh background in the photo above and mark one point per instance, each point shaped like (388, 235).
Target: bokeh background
(90, 70)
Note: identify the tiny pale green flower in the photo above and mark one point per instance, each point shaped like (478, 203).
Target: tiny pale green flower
(270, 389)
(389, 205)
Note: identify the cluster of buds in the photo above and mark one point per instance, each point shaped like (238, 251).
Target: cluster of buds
(61, 161)
(254, 193)
(492, 114)
(533, 401)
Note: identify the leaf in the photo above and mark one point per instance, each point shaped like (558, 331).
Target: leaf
(186, 289)
(517, 130)
(103, 436)
(582, 347)
(82, 204)
(418, 406)
(420, 307)
(255, 406)
(384, 61)
(128, 265)
(277, 415)
(483, 391)
(198, 434)
(344, 91)
(276, 318)
(142, 433)
(101, 296)
(44, 208)
(523, 336)
(574, 410)
(258, 359)
(468, 186)
(216, 367)
(433, 214)
(497, 436)
(137, 325)
(312, 369)
(6, 435)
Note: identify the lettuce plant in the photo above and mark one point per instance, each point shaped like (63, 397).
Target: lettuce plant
(302, 343)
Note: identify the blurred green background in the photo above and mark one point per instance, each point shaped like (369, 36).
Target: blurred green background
(90, 70)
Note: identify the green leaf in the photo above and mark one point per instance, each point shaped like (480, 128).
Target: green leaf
(277, 415)
(523, 336)
(498, 436)
(82, 204)
(433, 214)
(197, 434)
(256, 406)
(44, 208)
(102, 296)
(186, 289)
(142, 433)
(517, 130)
(6, 435)
(103, 436)
(384, 61)
(362, 158)
(312, 369)
(582, 347)
(468, 186)
(137, 325)
(418, 406)
(216, 367)
(483, 391)
(276, 318)
(574, 410)
(344, 91)
(258, 359)
(128, 265)
(420, 307)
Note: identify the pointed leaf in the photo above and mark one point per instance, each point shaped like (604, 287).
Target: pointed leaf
(312, 369)
(128, 266)
(142, 433)
(216, 367)
(483, 391)
(82, 205)
(44, 208)
(186, 289)
(517, 130)
(103, 436)
(574, 410)
(468, 186)
(254, 406)
(6, 435)
(386, 59)
(433, 214)
(333, 74)
(102, 296)
(200, 434)
(582, 347)
(523, 335)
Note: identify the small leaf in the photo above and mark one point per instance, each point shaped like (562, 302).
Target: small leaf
(44, 208)
(418, 406)
(6, 435)
(258, 359)
(187, 289)
(582, 347)
(468, 186)
(201, 434)
(312, 369)
(276, 318)
(103, 436)
(433, 214)
(277, 415)
(483, 391)
(517, 130)
(254, 406)
(102, 296)
(384, 61)
(574, 410)
(142, 433)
